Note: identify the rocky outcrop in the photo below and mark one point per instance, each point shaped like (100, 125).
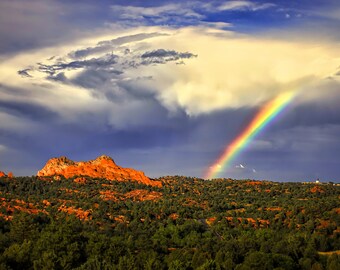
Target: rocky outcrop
(316, 189)
(101, 167)
(80, 180)
(9, 175)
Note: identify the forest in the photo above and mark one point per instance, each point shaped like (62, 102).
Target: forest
(188, 223)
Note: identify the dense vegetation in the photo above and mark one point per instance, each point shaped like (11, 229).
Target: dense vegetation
(189, 223)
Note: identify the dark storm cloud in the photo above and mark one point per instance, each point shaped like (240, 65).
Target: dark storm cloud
(317, 112)
(93, 78)
(39, 23)
(304, 134)
(163, 139)
(134, 89)
(297, 154)
(88, 51)
(28, 110)
(24, 72)
(105, 74)
(110, 60)
(106, 45)
(87, 139)
(94, 63)
(59, 77)
(108, 63)
(130, 147)
(144, 138)
(162, 56)
(15, 91)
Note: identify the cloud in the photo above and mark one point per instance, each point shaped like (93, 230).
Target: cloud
(27, 110)
(107, 45)
(184, 13)
(240, 166)
(11, 124)
(221, 72)
(109, 80)
(94, 78)
(2, 148)
(58, 77)
(244, 5)
(254, 171)
(114, 100)
(235, 71)
(107, 88)
(105, 61)
(306, 151)
(41, 23)
(161, 56)
(24, 72)
(109, 72)
(164, 14)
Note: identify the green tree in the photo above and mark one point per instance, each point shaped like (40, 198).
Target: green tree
(257, 261)
(23, 227)
(333, 262)
(17, 256)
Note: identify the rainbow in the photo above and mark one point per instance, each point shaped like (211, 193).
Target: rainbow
(265, 115)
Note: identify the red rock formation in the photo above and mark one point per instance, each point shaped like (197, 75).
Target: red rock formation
(143, 195)
(46, 202)
(108, 195)
(317, 189)
(254, 183)
(174, 216)
(80, 180)
(9, 175)
(101, 167)
(78, 212)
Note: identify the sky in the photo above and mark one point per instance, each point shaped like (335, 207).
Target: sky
(165, 86)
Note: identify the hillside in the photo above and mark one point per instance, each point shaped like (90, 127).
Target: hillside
(82, 222)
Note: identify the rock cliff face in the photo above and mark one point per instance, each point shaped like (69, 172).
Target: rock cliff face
(101, 167)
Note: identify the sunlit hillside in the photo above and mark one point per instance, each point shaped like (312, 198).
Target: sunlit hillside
(188, 223)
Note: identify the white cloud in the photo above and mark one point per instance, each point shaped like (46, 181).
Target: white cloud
(190, 12)
(254, 171)
(244, 5)
(231, 71)
(240, 166)
(158, 14)
(234, 71)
